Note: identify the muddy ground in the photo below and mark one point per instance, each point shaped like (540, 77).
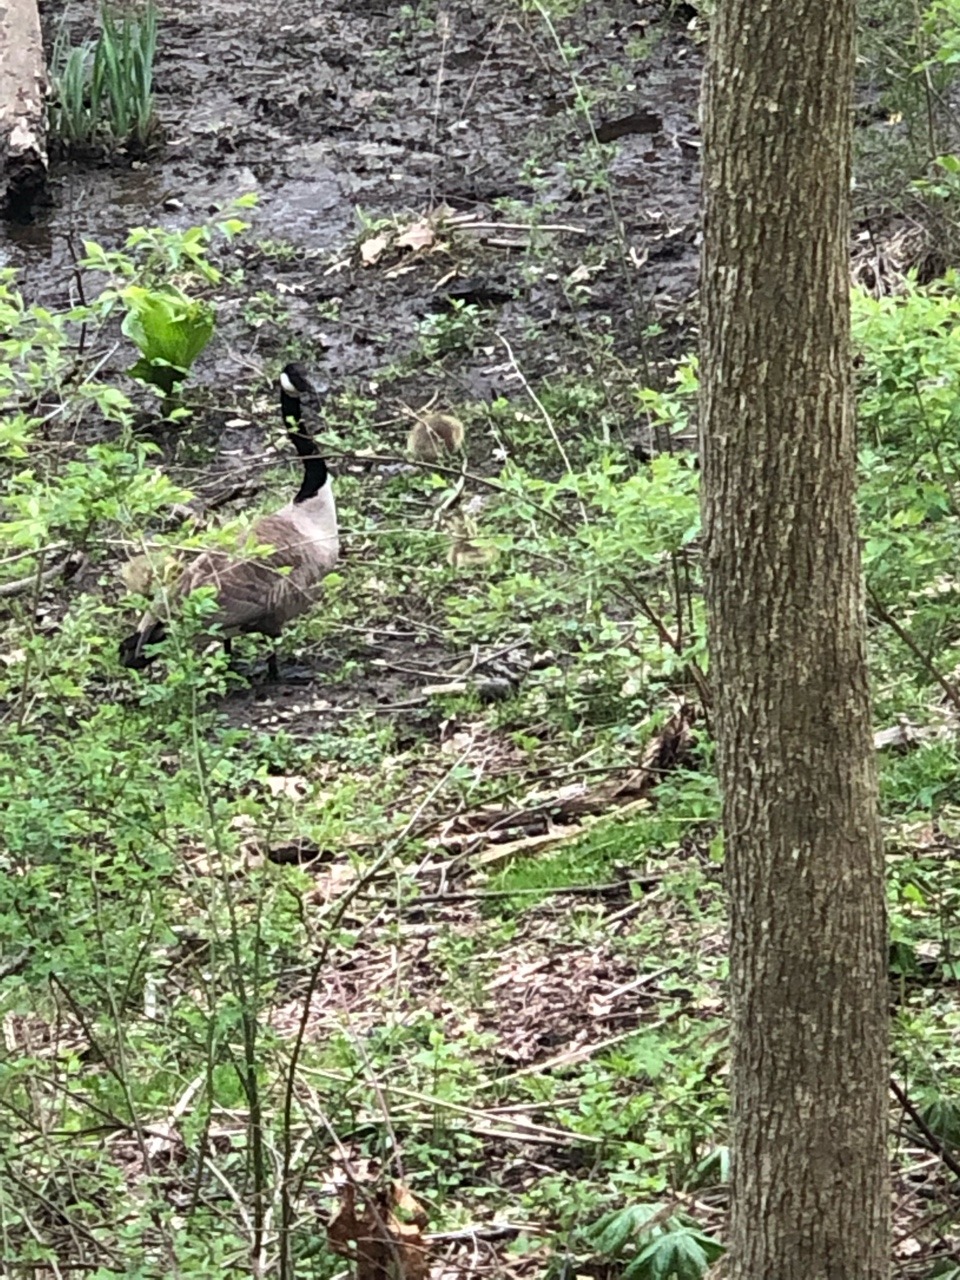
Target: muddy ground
(326, 110)
(339, 116)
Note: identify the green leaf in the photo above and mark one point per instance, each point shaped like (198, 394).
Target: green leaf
(170, 330)
(682, 1254)
(942, 1115)
(610, 1233)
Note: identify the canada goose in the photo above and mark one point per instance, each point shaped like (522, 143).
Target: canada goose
(261, 593)
(433, 435)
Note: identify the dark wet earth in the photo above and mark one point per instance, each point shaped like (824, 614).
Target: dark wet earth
(333, 112)
(569, 147)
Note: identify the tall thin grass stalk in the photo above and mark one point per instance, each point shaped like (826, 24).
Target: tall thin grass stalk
(123, 72)
(73, 115)
(104, 91)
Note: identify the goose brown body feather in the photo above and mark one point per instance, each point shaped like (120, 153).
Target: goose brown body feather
(273, 576)
(258, 590)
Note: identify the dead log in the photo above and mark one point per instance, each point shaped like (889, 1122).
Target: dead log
(23, 113)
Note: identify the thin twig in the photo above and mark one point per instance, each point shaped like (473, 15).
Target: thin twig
(483, 1115)
(20, 585)
(16, 964)
(34, 551)
(443, 25)
(545, 415)
(930, 1138)
(884, 614)
(577, 890)
(81, 293)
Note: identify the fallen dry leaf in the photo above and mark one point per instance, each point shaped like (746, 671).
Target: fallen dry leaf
(371, 250)
(419, 235)
(908, 1248)
(386, 1237)
(289, 786)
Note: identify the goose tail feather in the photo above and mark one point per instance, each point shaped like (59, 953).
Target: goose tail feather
(132, 648)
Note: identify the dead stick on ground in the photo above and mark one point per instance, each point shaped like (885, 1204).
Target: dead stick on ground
(576, 890)
(20, 585)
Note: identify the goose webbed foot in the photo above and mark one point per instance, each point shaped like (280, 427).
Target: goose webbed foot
(291, 675)
(298, 675)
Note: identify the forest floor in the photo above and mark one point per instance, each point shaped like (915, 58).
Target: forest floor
(474, 838)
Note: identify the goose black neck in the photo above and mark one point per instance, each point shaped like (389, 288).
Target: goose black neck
(291, 409)
(314, 467)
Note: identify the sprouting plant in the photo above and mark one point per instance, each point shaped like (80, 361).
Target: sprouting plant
(123, 73)
(152, 255)
(74, 112)
(170, 331)
(168, 325)
(455, 330)
(102, 91)
(654, 1244)
(264, 307)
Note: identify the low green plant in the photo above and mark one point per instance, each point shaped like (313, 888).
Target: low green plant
(652, 1243)
(151, 256)
(910, 481)
(170, 331)
(278, 250)
(102, 91)
(123, 72)
(456, 330)
(263, 308)
(593, 567)
(940, 24)
(74, 110)
(169, 326)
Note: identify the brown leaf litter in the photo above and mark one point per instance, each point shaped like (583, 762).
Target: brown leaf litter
(385, 1237)
(563, 997)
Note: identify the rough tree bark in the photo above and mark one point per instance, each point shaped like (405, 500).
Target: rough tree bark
(23, 153)
(784, 593)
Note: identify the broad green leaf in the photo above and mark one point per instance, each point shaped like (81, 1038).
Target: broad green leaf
(170, 330)
(681, 1254)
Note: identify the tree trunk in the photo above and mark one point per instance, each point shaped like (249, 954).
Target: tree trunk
(784, 593)
(23, 130)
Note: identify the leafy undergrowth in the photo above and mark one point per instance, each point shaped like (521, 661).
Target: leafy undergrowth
(450, 913)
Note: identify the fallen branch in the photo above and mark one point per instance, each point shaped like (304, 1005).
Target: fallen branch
(19, 585)
(576, 890)
(558, 816)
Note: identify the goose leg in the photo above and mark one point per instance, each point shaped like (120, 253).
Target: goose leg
(273, 671)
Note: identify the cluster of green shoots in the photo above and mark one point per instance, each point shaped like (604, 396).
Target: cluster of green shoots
(102, 90)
